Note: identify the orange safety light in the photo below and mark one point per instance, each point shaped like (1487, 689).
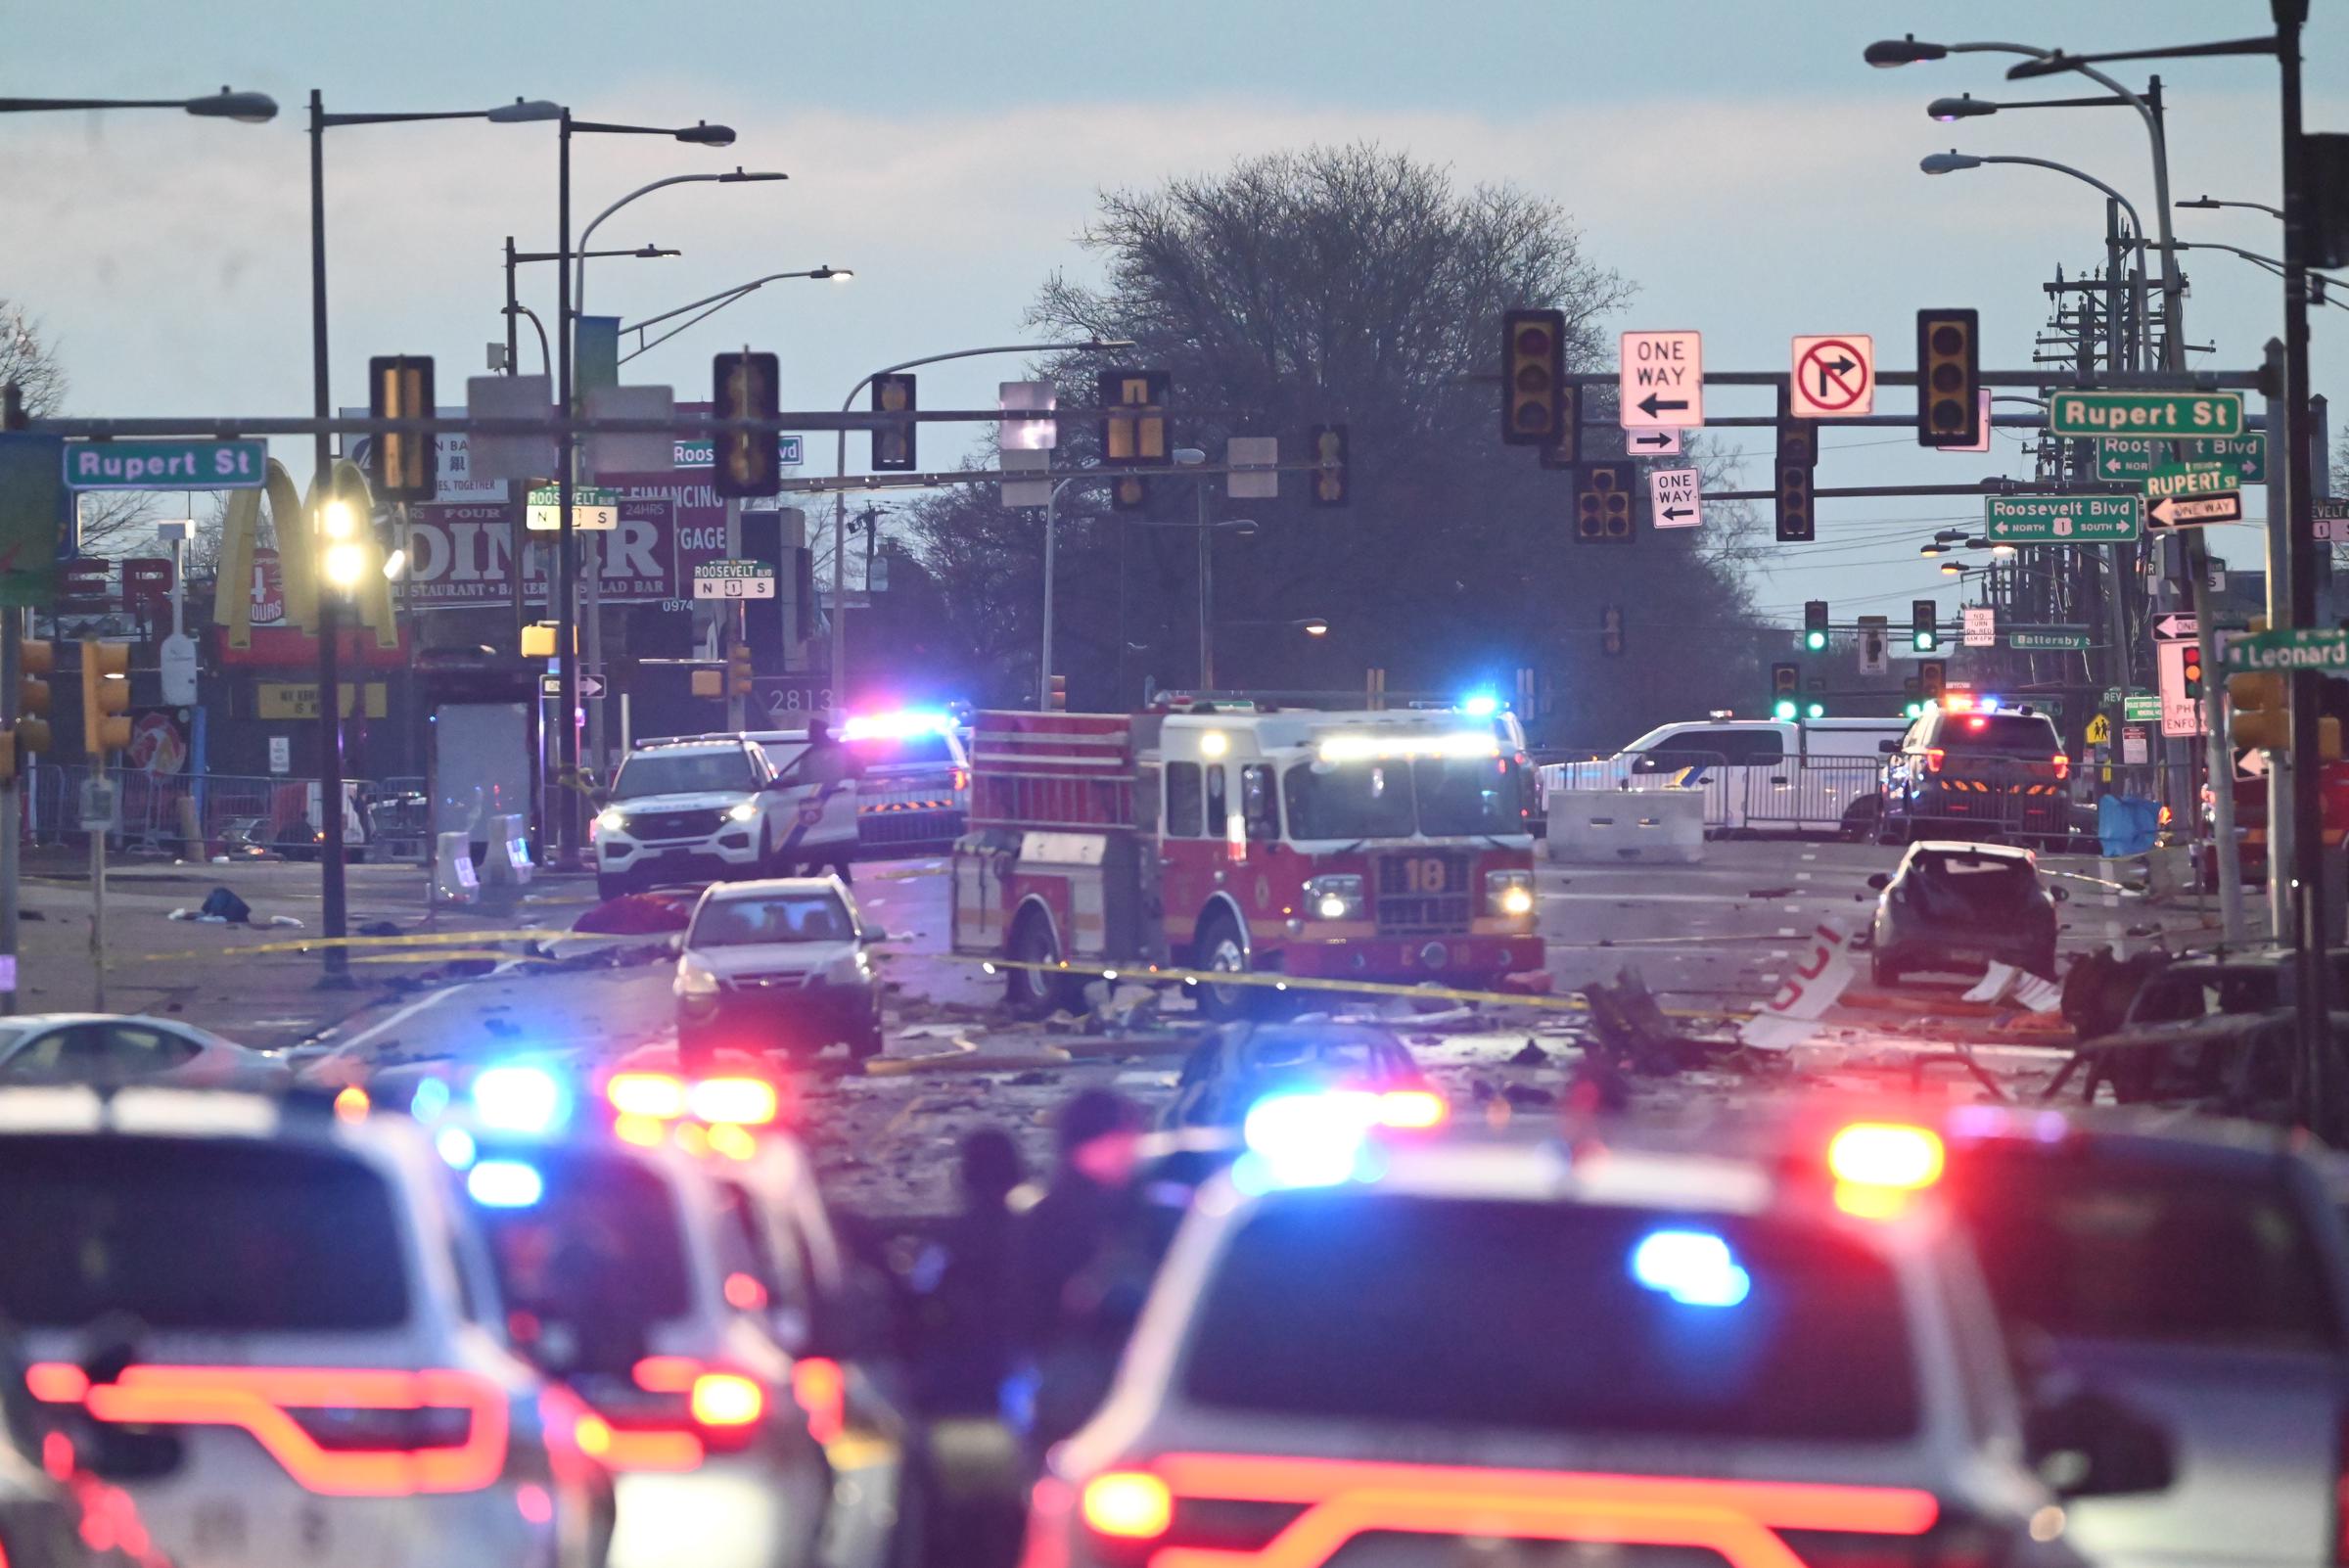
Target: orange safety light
(1130, 1505)
(649, 1094)
(740, 1101)
(351, 1104)
(821, 1389)
(1413, 1109)
(666, 1374)
(727, 1399)
(1887, 1154)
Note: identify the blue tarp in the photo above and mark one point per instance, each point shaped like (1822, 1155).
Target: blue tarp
(2127, 823)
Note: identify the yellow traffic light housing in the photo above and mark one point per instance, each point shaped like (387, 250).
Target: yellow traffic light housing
(709, 683)
(1602, 502)
(1532, 365)
(105, 697)
(1949, 412)
(401, 386)
(2262, 718)
(1328, 486)
(894, 451)
(746, 386)
(1059, 698)
(738, 671)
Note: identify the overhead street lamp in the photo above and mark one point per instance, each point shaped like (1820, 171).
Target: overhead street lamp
(247, 108)
(582, 254)
(1953, 162)
(840, 472)
(2205, 203)
(569, 788)
(334, 914)
(515, 309)
(718, 301)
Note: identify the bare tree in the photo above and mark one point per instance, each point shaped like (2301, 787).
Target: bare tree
(109, 523)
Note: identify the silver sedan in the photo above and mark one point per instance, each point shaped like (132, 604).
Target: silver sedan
(125, 1048)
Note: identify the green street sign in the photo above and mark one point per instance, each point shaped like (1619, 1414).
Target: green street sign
(2192, 478)
(580, 495)
(239, 465)
(2098, 414)
(2063, 519)
(2141, 708)
(790, 453)
(2046, 639)
(2318, 648)
(2136, 456)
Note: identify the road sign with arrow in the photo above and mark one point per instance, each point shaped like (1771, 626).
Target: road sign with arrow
(2193, 511)
(1663, 381)
(1652, 442)
(1835, 378)
(1672, 498)
(2176, 629)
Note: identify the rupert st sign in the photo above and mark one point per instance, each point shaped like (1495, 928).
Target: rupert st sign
(167, 465)
(2144, 413)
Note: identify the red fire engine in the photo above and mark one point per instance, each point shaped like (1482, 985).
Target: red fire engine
(1380, 847)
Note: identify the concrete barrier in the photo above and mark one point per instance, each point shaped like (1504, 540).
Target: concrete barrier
(508, 858)
(453, 881)
(1608, 827)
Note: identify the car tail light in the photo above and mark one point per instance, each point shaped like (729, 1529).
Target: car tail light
(1413, 1109)
(726, 1410)
(2063, 765)
(1879, 1165)
(340, 1429)
(1128, 1505)
(821, 1389)
(734, 1101)
(1934, 757)
(655, 1095)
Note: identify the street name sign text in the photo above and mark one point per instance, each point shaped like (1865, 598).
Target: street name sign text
(173, 465)
(2322, 648)
(2062, 519)
(2144, 413)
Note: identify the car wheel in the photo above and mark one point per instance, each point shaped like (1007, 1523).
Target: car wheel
(1032, 992)
(614, 884)
(1882, 973)
(1221, 949)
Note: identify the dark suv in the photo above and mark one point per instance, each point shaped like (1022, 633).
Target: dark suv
(1969, 773)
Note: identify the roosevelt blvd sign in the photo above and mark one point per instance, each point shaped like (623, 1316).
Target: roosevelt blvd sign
(2062, 519)
(2321, 648)
(2144, 413)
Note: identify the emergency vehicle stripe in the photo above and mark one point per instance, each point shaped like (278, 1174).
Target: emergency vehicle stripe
(823, 793)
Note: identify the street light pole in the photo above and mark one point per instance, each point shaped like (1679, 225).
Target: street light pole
(334, 914)
(1043, 663)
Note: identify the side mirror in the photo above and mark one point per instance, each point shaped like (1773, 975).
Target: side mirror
(1880, 881)
(2088, 1445)
(2060, 894)
(1888, 747)
(868, 932)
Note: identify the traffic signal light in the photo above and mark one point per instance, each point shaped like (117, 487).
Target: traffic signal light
(105, 695)
(1798, 458)
(1786, 691)
(1610, 630)
(2260, 718)
(746, 386)
(1060, 694)
(1948, 376)
(36, 658)
(2189, 665)
(1567, 450)
(1815, 625)
(1924, 625)
(738, 670)
(1932, 678)
(1532, 365)
(1134, 430)
(1328, 484)
(401, 386)
(1602, 502)
(893, 449)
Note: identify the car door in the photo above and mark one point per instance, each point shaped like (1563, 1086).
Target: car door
(131, 1049)
(40, 1056)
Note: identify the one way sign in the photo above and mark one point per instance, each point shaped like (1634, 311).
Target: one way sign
(1672, 498)
(1663, 381)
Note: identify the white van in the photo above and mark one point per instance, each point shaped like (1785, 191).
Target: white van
(1759, 776)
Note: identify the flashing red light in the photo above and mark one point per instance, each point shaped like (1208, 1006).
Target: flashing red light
(1978, 721)
(962, 779)
(727, 1399)
(2063, 765)
(735, 1101)
(351, 1104)
(666, 1374)
(655, 1095)
(1878, 1165)
(1935, 756)
(744, 1293)
(1129, 1505)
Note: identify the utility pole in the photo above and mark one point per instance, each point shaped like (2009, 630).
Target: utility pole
(737, 625)
(11, 801)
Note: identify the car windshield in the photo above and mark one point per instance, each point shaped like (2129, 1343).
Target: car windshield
(650, 773)
(195, 1233)
(1999, 734)
(1437, 796)
(601, 1253)
(2088, 1243)
(1319, 1286)
(764, 917)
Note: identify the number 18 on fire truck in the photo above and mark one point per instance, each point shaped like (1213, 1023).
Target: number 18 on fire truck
(1247, 841)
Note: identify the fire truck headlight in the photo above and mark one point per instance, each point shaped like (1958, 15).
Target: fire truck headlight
(1334, 897)
(1510, 893)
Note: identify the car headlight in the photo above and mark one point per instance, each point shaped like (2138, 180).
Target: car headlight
(695, 978)
(612, 821)
(1333, 898)
(1510, 893)
(743, 811)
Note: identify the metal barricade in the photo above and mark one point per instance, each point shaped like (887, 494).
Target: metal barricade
(1813, 795)
(188, 815)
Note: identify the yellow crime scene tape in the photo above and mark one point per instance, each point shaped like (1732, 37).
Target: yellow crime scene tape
(476, 942)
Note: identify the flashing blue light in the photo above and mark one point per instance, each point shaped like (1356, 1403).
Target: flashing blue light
(430, 1101)
(1308, 1140)
(504, 1184)
(456, 1146)
(1694, 1267)
(1986, 705)
(1483, 705)
(520, 1099)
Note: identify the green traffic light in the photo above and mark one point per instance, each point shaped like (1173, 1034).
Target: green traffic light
(1785, 709)
(1917, 709)
(1814, 640)
(1926, 642)
(1818, 711)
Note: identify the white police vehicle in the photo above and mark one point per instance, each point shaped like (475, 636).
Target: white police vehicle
(710, 809)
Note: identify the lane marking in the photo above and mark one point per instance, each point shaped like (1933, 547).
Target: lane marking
(1787, 931)
(1802, 876)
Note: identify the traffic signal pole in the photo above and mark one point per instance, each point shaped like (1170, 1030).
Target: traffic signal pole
(11, 805)
(334, 915)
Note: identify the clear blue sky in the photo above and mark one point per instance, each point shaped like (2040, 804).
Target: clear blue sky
(1737, 162)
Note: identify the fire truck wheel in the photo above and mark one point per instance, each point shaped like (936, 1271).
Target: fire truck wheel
(1031, 993)
(1222, 948)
